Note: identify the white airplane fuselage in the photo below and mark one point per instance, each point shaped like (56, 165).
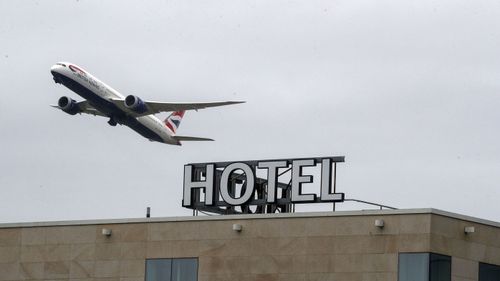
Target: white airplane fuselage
(99, 95)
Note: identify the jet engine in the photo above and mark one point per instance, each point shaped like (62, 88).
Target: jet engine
(68, 105)
(135, 104)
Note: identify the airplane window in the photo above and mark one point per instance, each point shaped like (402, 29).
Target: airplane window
(61, 64)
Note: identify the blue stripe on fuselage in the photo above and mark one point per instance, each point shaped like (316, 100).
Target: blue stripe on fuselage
(107, 107)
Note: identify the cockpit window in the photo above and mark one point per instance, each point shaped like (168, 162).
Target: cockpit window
(62, 64)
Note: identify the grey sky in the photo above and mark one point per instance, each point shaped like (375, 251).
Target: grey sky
(408, 91)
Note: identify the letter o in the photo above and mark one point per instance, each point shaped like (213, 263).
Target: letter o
(224, 182)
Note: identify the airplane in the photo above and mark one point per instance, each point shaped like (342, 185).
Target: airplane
(131, 111)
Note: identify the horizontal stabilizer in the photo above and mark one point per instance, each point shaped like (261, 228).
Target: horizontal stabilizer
(186, 138)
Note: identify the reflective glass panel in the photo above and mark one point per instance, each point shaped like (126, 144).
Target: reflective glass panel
(440, 267)
(489, 272)
(158, 269)
(413, 267)
(185, 270)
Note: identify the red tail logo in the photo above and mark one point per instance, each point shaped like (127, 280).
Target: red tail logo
(174, 120)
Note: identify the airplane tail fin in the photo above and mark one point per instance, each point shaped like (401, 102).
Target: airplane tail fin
(173, 121)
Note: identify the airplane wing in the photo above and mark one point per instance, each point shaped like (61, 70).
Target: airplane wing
(153, 107)
(85, 107)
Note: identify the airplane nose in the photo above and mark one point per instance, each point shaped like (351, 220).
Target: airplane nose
(55, 71)
(55, 67)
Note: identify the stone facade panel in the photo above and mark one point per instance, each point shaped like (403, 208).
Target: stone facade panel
(413, 243)
(133, 250)
(56, 270)
(57, 252)
(9, 271)
(32, 270)
(83, 252)
(463, 268)
(81, 269)
(33, 236)
(132, 268)
(111, 251)
(107, 269)
(185, 248)
(10, 237)
(70, 234)
(415, 224)
(159, 249)
(33, 253)
(10, 254)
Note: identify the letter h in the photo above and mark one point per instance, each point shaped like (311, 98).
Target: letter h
(190, 185)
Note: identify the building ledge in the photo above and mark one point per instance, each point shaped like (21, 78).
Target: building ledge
(256, 216)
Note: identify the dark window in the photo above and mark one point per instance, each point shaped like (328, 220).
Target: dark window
(440, 266)
(185, 269)
(489, 272)
(424, 267)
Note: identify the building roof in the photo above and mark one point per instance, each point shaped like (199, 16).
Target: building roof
(256, 216)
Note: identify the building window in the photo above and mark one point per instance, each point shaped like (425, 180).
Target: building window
(489, 272)
(440, 267)
(184, 269)
(424, 267)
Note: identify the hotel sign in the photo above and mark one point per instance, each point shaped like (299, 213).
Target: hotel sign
(223, 186)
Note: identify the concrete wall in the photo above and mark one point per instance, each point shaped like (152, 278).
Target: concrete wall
(268, 248)
(448, 237)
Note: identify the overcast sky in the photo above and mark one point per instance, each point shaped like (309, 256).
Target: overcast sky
(408, 91)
